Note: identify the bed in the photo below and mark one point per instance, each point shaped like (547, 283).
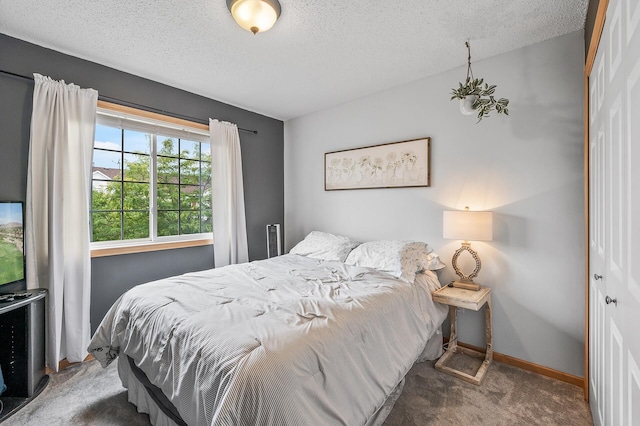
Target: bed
(293, 340)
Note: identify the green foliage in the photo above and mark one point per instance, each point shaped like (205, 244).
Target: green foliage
(11, 262)
(183, 196)
(485, 101)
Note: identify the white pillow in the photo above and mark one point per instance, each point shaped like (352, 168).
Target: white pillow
(401, 259)
(325, 246)
(432, 262)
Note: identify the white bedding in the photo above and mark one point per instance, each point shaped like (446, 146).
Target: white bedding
(289, 341)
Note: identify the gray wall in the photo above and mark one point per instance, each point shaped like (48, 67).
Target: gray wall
(262, 157)
(527, 168)
(590, 22)
(113, 275)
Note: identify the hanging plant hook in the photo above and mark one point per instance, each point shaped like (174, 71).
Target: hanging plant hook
(469, 70)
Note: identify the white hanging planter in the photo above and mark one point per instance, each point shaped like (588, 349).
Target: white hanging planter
(482, 97)
(466, 104)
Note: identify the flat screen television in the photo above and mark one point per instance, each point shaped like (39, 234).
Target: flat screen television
(11, 247)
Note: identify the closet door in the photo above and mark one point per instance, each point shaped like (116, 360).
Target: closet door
(596, 245)
(630, 299)
(614, 150)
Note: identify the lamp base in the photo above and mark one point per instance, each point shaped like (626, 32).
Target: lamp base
(467, 285)
(466, 281)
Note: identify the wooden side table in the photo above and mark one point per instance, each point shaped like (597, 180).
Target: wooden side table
(468, 299)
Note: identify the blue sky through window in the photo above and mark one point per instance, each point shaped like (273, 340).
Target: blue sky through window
(111, 138)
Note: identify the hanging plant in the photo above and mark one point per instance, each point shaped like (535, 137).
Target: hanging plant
(476, 96)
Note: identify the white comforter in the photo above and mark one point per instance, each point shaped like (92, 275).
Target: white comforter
(287, 341)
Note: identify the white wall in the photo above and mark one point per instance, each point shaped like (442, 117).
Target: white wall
(527, 168)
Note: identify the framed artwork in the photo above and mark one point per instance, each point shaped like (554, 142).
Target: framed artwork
(390, 165)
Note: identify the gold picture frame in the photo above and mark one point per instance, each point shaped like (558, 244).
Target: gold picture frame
(401, 164)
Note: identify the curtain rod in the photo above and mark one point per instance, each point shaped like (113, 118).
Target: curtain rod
(135, 105)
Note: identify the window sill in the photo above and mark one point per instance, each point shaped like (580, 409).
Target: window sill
(141, 248)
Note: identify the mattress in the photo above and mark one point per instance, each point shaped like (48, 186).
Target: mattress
(289, 340)
(150, 400)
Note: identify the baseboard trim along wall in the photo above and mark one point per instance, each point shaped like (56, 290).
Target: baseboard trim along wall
(529, 366)
(64, 364)
(497, 356)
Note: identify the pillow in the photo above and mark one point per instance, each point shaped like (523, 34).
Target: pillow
(401, 259)
(432, 262)
(325, 246)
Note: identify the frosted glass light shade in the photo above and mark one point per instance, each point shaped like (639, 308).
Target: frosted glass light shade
(255, 15)
(468, 226)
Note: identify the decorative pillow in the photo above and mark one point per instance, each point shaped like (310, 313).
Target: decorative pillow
(432, 262)
(401, 259)
(325, 246)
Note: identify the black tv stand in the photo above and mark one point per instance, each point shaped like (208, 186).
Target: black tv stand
(22, 349)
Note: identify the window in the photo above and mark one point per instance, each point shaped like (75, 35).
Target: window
(151, 181)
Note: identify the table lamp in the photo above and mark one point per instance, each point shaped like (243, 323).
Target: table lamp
(467, 226)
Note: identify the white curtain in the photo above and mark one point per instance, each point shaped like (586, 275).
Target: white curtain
(57, 218)
(229, 223)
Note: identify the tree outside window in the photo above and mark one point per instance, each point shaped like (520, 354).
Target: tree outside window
(124, 163)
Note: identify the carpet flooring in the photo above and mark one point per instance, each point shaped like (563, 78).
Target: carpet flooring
(86, 394)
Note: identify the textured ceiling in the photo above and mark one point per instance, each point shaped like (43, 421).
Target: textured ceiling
(320, 53)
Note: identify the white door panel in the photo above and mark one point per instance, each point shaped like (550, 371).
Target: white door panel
(630, 306)
(600, 353)
(615, 376)
(615, 189)
(632, 11)
(597, 209)
(633, 148)
(633, 393)
(614, 244)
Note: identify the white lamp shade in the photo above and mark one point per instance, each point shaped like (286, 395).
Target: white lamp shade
(468, 226)
(255, 15)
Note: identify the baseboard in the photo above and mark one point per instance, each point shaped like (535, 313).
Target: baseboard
(64, 364)
(497, 356)
(529, 366)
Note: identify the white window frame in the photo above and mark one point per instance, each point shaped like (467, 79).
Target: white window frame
(133, 119)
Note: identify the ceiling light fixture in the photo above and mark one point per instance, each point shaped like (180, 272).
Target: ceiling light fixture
(255, 15)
